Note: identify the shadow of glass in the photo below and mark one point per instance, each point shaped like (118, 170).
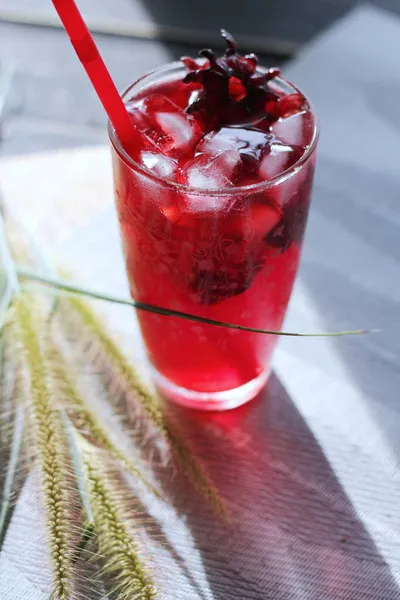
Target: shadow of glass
(294, 533)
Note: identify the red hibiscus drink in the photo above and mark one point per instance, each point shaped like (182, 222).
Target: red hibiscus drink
(212, 205)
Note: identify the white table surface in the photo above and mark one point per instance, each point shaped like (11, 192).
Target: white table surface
(310, 470)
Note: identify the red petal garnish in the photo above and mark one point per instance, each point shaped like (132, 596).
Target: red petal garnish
(291, 105)
(230, 42)
(193, 64)
(236, 89)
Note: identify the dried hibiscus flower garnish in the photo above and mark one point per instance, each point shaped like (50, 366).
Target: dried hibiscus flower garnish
(234, 90)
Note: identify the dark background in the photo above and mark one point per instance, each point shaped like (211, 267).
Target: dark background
(51, 104)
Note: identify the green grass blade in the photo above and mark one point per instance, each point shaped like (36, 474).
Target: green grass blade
(64, 286)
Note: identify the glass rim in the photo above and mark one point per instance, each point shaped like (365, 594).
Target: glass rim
(213, 192)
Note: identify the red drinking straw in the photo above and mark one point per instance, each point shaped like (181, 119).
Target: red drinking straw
(94, 66)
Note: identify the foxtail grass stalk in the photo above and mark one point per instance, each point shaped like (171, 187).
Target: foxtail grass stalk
(48, 443)
(149, 402)
(84, 419)
(109, 518)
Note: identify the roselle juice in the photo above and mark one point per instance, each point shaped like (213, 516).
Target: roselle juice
(212, 207)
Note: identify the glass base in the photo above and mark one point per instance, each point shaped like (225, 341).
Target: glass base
(216, 401)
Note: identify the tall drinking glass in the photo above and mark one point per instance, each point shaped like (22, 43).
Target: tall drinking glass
(223, 251)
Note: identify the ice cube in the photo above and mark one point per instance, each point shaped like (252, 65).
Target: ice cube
(280, 158)
(264, 217)
(213, 172)
(210, 173)
(215, 143)
(206, 205)
(290, 130)
(164, 125)
(159, 164)
(255, 221)
(250, 143)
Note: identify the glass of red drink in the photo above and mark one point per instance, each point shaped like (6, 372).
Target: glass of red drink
(212, 208)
